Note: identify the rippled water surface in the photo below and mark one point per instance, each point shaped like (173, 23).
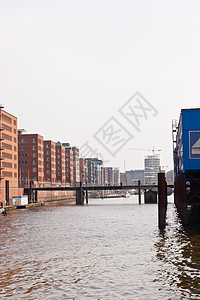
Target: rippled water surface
(110, 249)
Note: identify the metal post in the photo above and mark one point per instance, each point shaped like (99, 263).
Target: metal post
(161, 200)
(7, 192)
(139, 192)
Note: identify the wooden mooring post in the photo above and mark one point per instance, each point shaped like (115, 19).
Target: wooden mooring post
(80, 195)
(139, 192)
(162, 200)
(86, 196)
(7, 192)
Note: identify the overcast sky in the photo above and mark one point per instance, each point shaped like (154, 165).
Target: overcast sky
(67, 67)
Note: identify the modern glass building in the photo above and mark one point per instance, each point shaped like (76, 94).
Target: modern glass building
(151, 168)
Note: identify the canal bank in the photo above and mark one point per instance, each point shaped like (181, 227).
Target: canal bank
(50, 202)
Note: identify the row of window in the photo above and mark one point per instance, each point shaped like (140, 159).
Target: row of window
(23, 155)
(23, 162)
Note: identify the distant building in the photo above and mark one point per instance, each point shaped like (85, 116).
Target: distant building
(110, 175)
(97, 165)
(116, 176)
(60, 163)
(83, 170)
(8, 151)
(133, 176)
(31, 164)
(122, 177)
(76, 169)
(69, 166)
(104, 172)
(49, 161)
(151, 168)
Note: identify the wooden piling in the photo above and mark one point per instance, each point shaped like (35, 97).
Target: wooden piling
(139, 192)
(7, 192)
(30, 193)
(162, 199)
(80, 195)
(86, 196)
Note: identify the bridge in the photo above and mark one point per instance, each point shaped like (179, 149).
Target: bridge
(82, 190)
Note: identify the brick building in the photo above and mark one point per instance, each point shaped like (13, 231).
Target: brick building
(8, 153)
(69, 166)
(60, 163)
(49, 161)
(31, 164)
(76, 169)
(83, 165)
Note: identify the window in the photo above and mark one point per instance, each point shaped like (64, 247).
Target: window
(22, 155)
(48, 165)
(25, 155)
(48, 172)
(34, 170)
(25, 170)
(34, 140)
(34, 178)
(22, 162)
(34, 162)
(19, 147)
(58, 156)
(19, 162)
(34, 154)
(22, 141)
(25, 162)
(48, 152)
(67, 159)
(22, 170)
(58, 173)
(19, 155)
(22, 148)
(58, 167)
(48, 158)
(25, 147)
(22, 178)
(34, 147)
(47, 146)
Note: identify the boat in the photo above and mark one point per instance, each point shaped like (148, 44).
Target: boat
(2, 208)
(126, 194)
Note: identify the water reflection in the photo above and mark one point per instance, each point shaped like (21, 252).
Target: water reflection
(179, 248)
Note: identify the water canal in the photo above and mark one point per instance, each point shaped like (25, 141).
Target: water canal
(110, 249)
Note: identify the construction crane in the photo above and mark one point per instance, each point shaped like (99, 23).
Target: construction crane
(153, 150)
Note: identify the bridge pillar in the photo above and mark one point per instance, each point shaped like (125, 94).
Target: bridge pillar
(162, 200)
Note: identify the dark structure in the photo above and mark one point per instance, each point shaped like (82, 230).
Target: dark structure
(150, 197)
(186, 141)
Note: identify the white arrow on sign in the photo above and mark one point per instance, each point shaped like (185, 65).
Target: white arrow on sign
(196, 147)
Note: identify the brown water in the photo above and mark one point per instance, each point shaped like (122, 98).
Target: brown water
(110, 249)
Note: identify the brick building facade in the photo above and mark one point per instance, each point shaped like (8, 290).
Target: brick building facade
(49, 161)
(8, 153)
(31, 164)
(60, 163)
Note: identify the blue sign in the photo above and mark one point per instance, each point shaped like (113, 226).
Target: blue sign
(194, 144)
